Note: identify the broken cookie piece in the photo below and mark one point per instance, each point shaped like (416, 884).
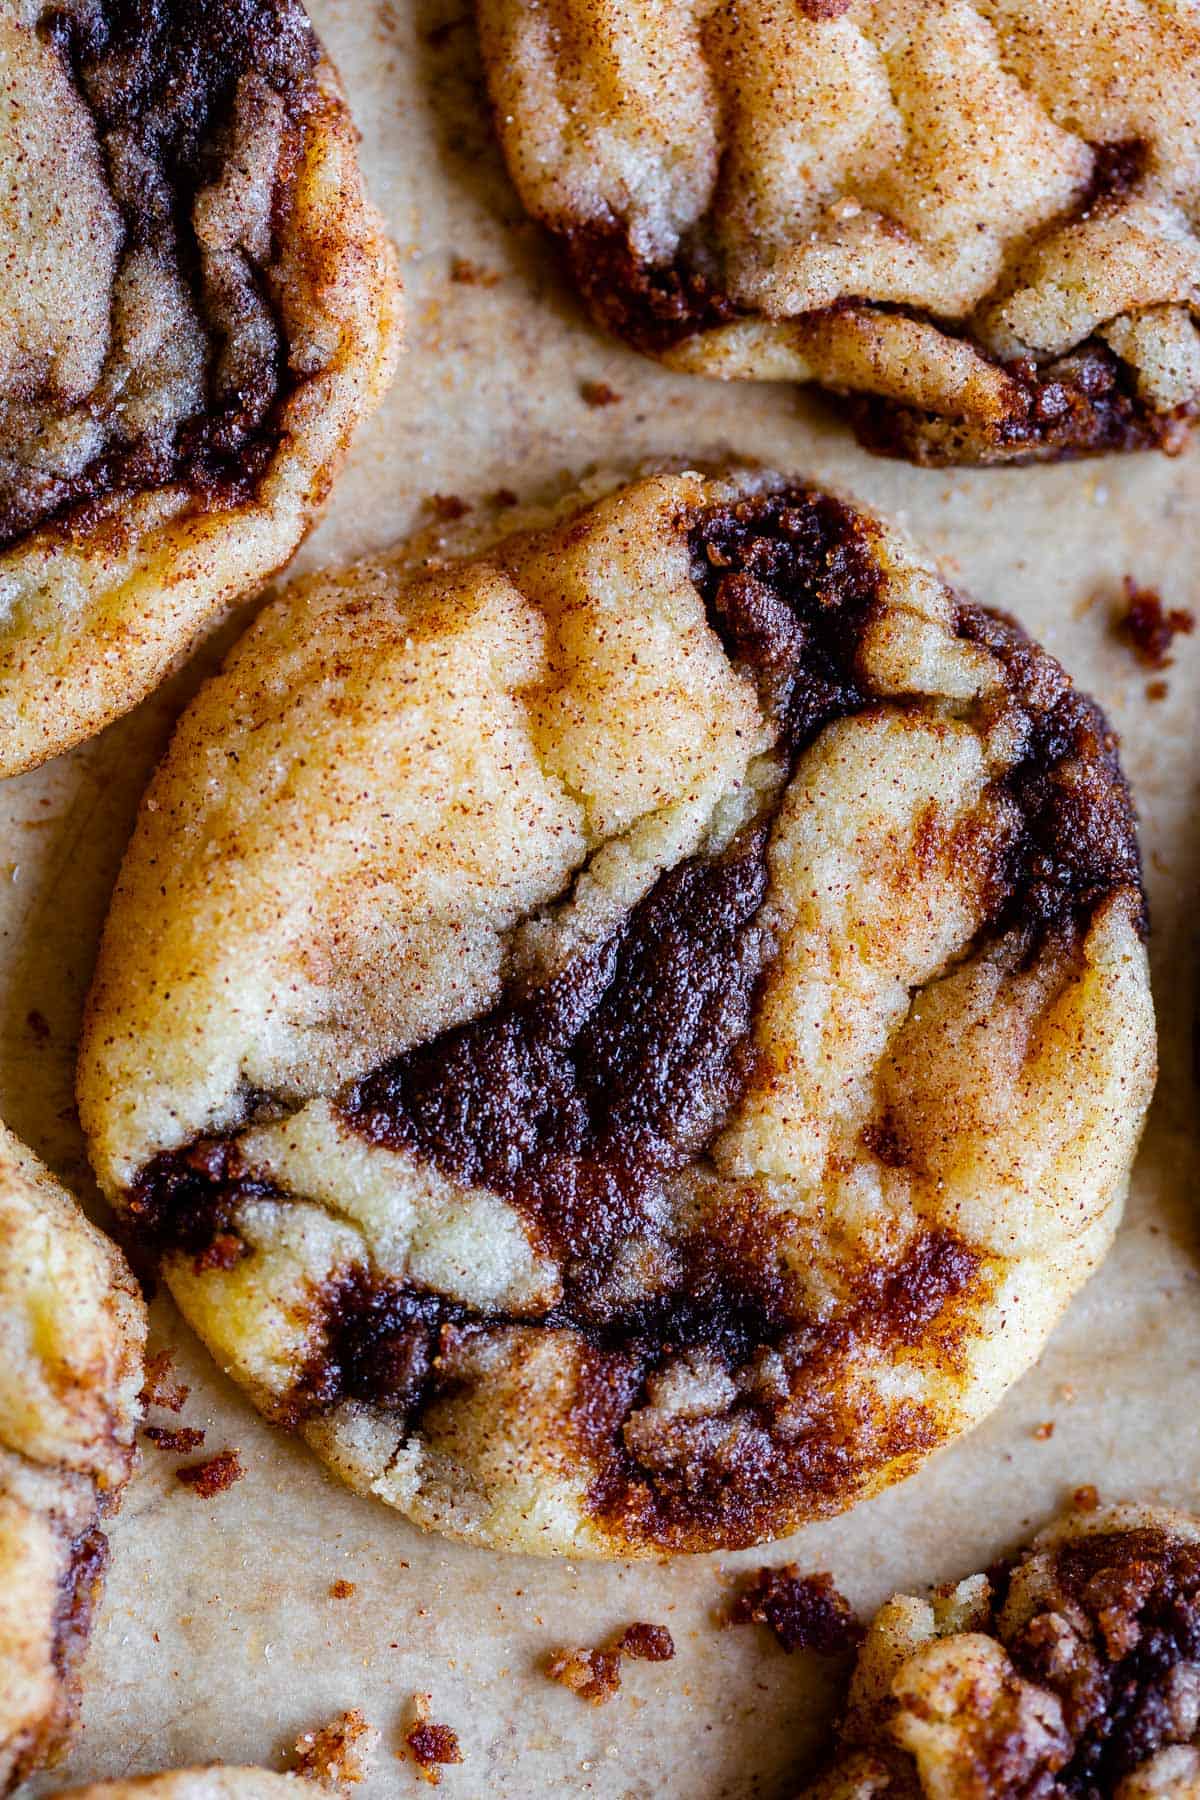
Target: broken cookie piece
(72, 1339)
(1072, 1675)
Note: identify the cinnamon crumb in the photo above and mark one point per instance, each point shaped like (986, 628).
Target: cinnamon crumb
(431, 1746)
(448, 506)
(806, 1612)
(38, 1024)
(1085, 1499)
(1044, 1431)
(342, 1590)
(503, 497)
(472, 274)
(598, 393)
(214, 1476)
(595, 1675)
(339, 1754)
(174, 1440)
(158, 1389)
(1157, 690)
(1151, 628)
(648, 1643)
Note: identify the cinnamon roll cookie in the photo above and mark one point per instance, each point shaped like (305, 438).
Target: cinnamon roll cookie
(979, 220)
(198, 308)
(1073, 1674)
(72, 1331)
(628, 1042)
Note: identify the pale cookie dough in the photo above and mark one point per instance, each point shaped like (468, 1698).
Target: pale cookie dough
(979, 220)
(198, 307)
(72, 1333)
(196, 1784)
(628, 1042)
(1073, 1675)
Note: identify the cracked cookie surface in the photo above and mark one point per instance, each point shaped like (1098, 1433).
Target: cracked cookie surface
(199, 306)
(980, 221)
(1072, 1674)
(72, 1333)
(629, 1041)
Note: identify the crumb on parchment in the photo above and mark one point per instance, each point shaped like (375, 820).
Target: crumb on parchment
(214, 1476)
(805, 1612)
(431, 1746)
(338, 1755)
(159, 1388)
(174, 1440)
(595, 1675)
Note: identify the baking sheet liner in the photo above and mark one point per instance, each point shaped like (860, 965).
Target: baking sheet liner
(219, 1639)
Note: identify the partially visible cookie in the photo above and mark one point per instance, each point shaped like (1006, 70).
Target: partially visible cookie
(195, 1784)
(199, 306)
(630, 1041)
(979, 220)
(72, 1332)
(1073, 1674)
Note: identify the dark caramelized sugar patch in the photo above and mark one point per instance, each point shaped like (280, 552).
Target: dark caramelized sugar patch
(806, 1612)
(1128, 1682)
(651, 307)
(1079, 842)
(789, 581)
(1085, 404)
(576, 1102)
(160, 79)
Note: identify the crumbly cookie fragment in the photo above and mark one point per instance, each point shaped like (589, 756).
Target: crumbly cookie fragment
(979, 221)
(338, 1755)
(72, 1334)
(659, 1010)
(1073, 1676)
(199, 307)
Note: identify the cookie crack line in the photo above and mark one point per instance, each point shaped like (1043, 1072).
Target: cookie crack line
(576, 1195)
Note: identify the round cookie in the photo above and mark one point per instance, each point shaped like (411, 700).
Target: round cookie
(193, 1784)
(980, 221)
(199, 307)
(630, 1041)
(72, 1332)
(1075, 1672)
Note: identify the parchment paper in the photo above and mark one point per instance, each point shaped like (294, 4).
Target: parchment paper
(219, 1639)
